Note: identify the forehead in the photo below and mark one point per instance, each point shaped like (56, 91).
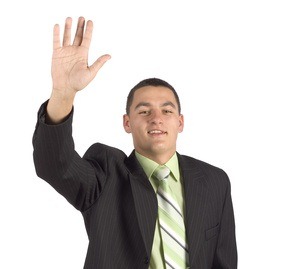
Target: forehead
(153, 94)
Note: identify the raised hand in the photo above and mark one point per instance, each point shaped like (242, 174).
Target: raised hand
(70, 70)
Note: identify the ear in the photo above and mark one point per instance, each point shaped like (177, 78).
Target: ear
(181, 123)
(126, 123)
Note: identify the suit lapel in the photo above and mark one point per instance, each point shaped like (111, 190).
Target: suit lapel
(195, 194)
(144, 199)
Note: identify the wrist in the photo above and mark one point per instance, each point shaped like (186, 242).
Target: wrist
(59, 107)
(63, 95)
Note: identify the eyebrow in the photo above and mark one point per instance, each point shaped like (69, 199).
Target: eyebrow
(146, 104)
(169, 103)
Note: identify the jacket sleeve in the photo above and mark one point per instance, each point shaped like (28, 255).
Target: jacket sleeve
(79, 180)
(226, 250)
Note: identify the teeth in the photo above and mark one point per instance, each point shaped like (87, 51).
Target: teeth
(155, 132)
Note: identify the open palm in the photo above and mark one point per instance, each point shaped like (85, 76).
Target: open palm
(70, 69)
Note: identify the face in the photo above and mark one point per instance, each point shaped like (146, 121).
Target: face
(154, 122)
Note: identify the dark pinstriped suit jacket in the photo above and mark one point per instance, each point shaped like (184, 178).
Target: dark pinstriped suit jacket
(119, 205)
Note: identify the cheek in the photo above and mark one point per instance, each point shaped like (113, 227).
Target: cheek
(136, 129)
(176, 126)
(137, 125)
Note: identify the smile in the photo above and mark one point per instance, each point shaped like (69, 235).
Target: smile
(156, 132)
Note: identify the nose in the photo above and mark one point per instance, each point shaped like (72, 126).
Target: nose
(156, 117)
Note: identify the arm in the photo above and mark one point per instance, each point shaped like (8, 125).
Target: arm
(55, 158)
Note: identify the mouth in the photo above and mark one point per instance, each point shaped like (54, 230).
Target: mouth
(156, 132)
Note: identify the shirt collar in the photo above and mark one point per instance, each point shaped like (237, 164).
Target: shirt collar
(149, 165)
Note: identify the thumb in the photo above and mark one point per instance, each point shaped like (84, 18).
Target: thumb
(95, 67)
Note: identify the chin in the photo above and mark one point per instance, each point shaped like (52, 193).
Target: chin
(159, 150)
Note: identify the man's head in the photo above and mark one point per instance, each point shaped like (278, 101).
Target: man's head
(153, 118)
(155, 82)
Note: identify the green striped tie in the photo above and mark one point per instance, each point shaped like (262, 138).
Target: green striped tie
(171, 223)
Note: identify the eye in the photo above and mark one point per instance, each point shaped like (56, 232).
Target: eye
(144, 112)
(167, 111)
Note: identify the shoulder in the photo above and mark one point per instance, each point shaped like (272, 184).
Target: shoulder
(105, 158)
(212, 173)
(99, 150)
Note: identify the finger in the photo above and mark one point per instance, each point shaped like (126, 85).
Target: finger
(80, 31)
(94, 68)
(88, 34)
(56, 37)
(67, 32)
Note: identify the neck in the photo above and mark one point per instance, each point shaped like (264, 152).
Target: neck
(158, 158)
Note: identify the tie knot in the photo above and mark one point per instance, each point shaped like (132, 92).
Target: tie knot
(161, 172)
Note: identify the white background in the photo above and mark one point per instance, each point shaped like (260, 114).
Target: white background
(225, 60)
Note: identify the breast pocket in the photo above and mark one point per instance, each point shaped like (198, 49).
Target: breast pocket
(212, 232)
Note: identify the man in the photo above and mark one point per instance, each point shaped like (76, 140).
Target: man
(134, 217)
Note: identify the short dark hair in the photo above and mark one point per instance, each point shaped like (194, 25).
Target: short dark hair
(151, 82)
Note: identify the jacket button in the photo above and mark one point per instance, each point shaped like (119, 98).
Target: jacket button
(146, 260)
